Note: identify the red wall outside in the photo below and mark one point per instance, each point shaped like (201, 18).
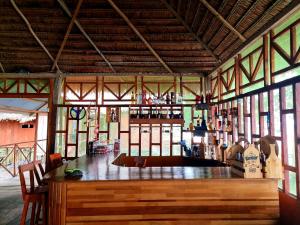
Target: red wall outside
(12, 132)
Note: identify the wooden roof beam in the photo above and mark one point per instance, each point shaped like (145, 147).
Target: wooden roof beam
(126, 19)
(32, 31)
(67, 34)
(2, 68)
(47, 75)
(170, 8)
(68, 12)
(220, 17)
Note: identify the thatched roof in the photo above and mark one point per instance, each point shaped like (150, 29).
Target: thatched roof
(175, 44)
(22, 118)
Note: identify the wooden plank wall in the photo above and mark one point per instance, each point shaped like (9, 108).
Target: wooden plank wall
(189, 202)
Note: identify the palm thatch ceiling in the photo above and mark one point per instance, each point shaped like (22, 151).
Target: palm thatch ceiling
(183, 36)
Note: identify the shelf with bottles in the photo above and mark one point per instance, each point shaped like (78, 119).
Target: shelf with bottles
(169, 98)
(113, 114)
(156, 114)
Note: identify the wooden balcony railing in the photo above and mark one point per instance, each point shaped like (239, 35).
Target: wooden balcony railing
(13, 155)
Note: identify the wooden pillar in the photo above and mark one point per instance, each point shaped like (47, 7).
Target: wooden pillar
(237, 74)
(266, 59)
(35, 136)
(55, 90)
(219, 84)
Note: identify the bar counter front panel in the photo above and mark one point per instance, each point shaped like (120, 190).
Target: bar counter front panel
(108, 194)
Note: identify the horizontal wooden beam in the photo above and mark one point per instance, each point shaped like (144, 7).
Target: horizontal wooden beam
(54, 75)
(220, 17)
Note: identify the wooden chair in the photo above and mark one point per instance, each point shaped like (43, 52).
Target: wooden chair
(35, 195)
(55, 161)
(39, 172)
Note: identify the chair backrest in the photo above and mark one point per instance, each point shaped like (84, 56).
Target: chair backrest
(39, 171)
(55, 161)
(22, 170)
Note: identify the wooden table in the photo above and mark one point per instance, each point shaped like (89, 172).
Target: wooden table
(108, 194)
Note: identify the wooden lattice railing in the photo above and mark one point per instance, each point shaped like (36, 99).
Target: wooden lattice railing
(13, 155)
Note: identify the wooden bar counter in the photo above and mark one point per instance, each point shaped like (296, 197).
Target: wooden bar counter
(108, 194)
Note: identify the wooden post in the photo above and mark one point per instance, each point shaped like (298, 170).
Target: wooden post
(237, 74)
(55, 90)
(219, 84)
(266, 59)
(35, 136)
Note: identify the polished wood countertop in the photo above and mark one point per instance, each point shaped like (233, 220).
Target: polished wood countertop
(100, 168)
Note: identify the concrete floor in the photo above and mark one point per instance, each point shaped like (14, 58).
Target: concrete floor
(11, 203)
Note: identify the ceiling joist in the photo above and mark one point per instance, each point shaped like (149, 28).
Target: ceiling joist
(32, 31)
(170, 8)
(68, 12)
(67, 34)
(220, 17)
(126, 19)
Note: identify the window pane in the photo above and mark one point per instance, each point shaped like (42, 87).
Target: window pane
(276, 113)
(289, 103)
(290, 138)
(292, 183)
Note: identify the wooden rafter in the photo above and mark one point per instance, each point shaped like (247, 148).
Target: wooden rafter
(66, 9)
(67, 34)
(2, 68)
(126, 19)
(178, 17)
(220, 17)
(32, 31)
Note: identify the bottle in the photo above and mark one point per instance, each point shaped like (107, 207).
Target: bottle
(202, 99)
(144, 98)
(168, 99)
(198, 98)
(132, 98)
(198, 121)
(149, 100)
(173, 99)
(112, 115)
(191, 126)
(179, 99)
